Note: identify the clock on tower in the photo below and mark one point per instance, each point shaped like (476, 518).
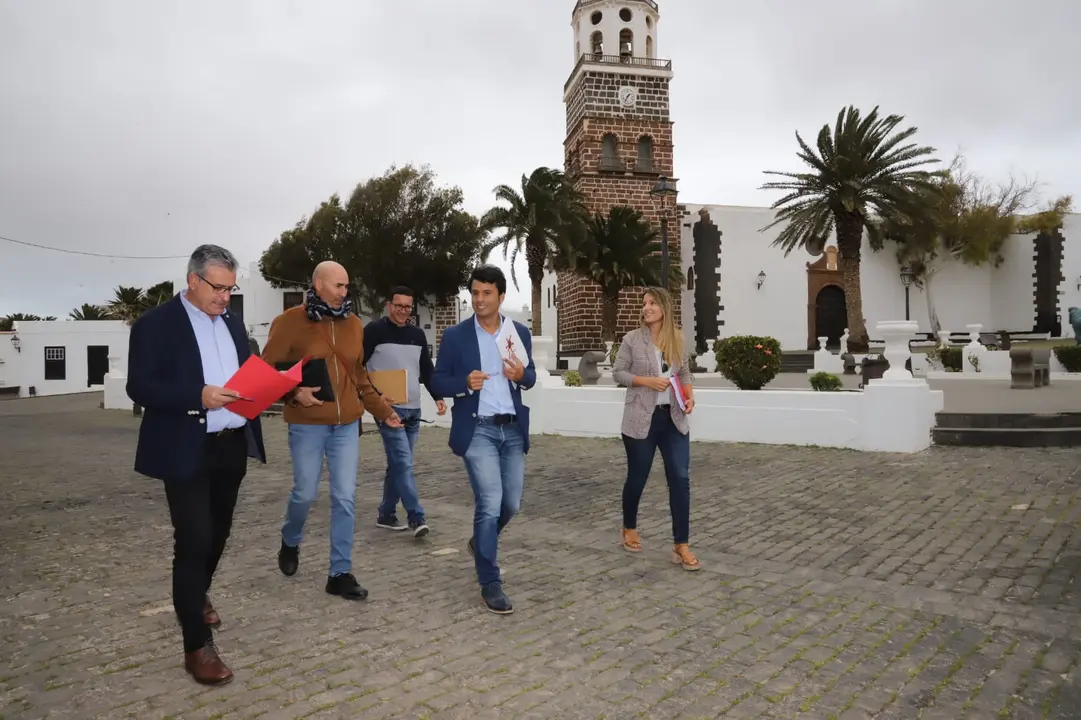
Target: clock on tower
(619, 143)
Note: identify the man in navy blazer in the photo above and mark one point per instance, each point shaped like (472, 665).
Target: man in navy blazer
(180, 354)
(489, 424)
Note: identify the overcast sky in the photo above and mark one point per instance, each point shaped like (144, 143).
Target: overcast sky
(145, 128)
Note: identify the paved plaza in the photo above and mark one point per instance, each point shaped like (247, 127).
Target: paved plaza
(837, 584)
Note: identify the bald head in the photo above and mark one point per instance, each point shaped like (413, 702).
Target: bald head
(331, 283)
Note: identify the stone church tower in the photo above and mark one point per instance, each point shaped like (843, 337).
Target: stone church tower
(619, 144)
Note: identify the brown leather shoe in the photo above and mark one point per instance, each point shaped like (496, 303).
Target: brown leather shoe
(207, 667)
(210, 615)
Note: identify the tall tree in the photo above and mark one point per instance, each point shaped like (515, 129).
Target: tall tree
(964, 218)
(127, 304)
(860, 171)
(547, 208)
(158, 294)
(8, 321)
(398, 228)
(89, 312)
(618, 251)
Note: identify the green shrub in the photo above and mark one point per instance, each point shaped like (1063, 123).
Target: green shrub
(571, 378)
(826, 382)
(948, 357)
(748, 361)
(1069, 356)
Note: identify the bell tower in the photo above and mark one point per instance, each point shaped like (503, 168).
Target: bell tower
(618, 145)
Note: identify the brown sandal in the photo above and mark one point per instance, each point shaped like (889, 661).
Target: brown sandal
(682, 555)
(631, 542)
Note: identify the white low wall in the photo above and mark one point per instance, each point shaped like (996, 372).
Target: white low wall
(886, 416)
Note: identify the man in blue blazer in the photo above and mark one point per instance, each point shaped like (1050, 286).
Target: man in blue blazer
(489, 424)
(180, 354)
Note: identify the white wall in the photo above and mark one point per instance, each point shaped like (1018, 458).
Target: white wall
(998, 298)
(8, 361)
(74, 336)
(1069, 293)
(549, 315)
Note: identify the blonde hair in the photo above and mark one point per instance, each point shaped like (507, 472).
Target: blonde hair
(670, 336)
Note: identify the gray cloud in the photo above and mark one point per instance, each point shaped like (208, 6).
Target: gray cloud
(144, 128)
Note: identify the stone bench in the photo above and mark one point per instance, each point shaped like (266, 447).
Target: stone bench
(1029, 367)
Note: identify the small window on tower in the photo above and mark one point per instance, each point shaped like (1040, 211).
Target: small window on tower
(610, 153)
(644, 161)
(596, 42)
(626, 45)
(625, 14)
(595, 18)
(649, 46)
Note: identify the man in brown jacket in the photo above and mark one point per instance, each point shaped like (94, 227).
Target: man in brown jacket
(325, 327)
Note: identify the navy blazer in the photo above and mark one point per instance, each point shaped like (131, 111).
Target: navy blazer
(165, 377)
(459, 355)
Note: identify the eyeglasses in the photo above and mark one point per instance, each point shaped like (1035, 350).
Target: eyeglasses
(219, 289)
(406, 308)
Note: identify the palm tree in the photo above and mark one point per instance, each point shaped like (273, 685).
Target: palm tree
(128, 304)
(89, 312)
(547, 209)
(859, 172)
(159, 294)
(618, 251)
(8, 321)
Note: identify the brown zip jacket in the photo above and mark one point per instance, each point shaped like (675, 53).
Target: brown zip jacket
(341, 342)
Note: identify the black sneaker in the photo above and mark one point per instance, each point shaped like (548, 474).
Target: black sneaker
(346, 586)
(495, 599)
(419, 528)
(391, 523)
(288, 559)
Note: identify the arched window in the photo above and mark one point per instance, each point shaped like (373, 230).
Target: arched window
(649, 46)
(596, 42)
(690, 278)
(644, 161)
(610, 152)
(626, 45)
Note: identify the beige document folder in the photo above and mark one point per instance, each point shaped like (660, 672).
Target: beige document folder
(392, 383)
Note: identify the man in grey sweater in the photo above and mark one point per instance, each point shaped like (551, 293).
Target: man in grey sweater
(394, 343)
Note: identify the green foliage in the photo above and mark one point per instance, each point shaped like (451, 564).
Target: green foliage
(89, 312)
(826, 382)
(949, 358)
(538, 219)
(1069, 356)
(571, 378)
(859, 170)
(8, 322)
(748, 361)
(396, 228)
(617, 251)
(962, 217)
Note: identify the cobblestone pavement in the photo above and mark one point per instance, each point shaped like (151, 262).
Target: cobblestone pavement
(836, 585)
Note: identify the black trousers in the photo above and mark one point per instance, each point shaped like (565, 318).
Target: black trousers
(201, 509)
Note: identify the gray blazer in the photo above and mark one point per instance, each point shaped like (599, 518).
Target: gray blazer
(636, 357)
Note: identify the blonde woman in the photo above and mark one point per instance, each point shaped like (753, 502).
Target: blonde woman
(653, 419)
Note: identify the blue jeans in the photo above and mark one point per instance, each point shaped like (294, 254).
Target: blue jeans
(341, 445)
(675, 450)
(399, 482)
(495, 462)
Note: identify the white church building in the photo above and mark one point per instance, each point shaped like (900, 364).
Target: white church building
(619, 145)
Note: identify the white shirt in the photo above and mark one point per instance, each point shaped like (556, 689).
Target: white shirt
(664, 397)
(217, 350)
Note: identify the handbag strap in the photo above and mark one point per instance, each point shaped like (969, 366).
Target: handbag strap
(342, 360)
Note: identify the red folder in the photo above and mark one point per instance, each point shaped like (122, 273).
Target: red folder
(261, 386)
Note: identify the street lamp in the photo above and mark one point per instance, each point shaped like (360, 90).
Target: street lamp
(16, 343)
(664, 189)
(908, 276)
